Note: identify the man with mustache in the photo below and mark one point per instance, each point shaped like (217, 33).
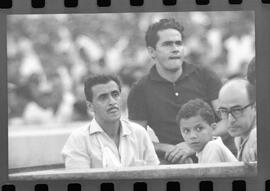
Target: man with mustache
(238, 110)
(156, 98)
(108, 142)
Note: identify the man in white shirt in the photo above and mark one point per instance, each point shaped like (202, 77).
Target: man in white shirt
(108, 141)
(238, 109)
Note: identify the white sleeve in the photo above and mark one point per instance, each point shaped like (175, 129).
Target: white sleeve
(215, 153)
(75, 154)
(211, 154)
(149, 154)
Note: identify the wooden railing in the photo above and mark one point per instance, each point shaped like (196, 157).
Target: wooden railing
(236, 169)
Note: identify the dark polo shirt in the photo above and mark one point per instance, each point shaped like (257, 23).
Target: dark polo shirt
(157, 101)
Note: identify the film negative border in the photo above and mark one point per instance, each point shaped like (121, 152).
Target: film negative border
(65, 6)
(207, 185)
(262, 14)
(7, 4)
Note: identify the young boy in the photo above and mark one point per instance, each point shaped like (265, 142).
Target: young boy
(196, 121)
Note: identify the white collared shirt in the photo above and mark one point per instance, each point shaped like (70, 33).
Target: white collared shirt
(247, 148)
(91, 147)
(214, 152)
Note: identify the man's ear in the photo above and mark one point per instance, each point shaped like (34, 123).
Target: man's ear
(152, 52)
(89, 106)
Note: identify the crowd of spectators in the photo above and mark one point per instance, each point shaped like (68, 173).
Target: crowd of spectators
(49, 56)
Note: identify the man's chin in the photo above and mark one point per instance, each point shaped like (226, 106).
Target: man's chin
(174, 69)
(115, 117)
(234, 132)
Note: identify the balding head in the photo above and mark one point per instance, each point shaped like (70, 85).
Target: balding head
(238, 89)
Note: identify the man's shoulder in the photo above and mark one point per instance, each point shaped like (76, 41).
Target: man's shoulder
(133, 127)
(253, 136)
(199, 67)
(143, 81)
(80, 131)
(140, 86)
(215, 144)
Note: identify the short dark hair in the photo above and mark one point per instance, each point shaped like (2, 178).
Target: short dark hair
(251, 92)
(24, 92)
(152, 37)
(194, 108)
(251, 72)
(98, 79)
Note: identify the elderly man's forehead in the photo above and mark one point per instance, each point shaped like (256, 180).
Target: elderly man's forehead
(234, 89)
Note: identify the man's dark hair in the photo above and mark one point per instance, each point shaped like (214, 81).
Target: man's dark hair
(152, 37)
(95, 80)
(196, 107)
(24, 92)
(251, 92)
(251, 72)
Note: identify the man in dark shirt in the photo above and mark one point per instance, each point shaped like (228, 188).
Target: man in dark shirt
(156, 98)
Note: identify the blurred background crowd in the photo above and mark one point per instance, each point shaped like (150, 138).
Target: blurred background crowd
(49, 56)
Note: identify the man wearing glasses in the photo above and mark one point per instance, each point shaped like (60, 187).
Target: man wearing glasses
(238, 109)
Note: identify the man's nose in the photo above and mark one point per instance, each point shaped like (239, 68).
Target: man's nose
(231, 117)
(193, 135)
(112, 100)
(175, 47)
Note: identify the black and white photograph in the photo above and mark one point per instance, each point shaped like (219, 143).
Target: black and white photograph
(132, 95)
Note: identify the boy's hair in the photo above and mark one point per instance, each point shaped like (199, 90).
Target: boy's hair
(95, 80)
(151, 36)
(194, 108)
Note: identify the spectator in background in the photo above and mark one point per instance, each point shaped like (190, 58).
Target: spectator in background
(39, 110)
(156, 98)
(108, 141)
(18, 98)
(238, 110)
(80, 112)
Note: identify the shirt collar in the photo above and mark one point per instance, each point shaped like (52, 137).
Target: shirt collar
(187, 69)
(95, 128)
(126, 129)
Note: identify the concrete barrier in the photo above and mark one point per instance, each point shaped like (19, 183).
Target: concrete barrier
(40, 145)
(216, 170)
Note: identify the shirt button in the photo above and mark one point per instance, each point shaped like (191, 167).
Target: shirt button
(176, 94)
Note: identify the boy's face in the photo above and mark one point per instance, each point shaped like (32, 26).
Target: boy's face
(196, 132)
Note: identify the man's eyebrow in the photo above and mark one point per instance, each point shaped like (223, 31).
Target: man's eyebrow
(103, 94)
(222, 108)
(114, 91)
(198, 125)
(171, 41)
(236, 106)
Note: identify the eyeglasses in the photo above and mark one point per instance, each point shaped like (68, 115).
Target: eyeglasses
(235, 111)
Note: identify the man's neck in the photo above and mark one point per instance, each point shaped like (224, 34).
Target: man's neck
(111, 128)
(252, 126)
(171, 76)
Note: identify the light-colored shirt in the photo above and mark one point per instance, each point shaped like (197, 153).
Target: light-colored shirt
(247, 148)
(91, 147)
(214, 152)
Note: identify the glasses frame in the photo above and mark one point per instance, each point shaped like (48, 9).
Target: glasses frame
(230, 111)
